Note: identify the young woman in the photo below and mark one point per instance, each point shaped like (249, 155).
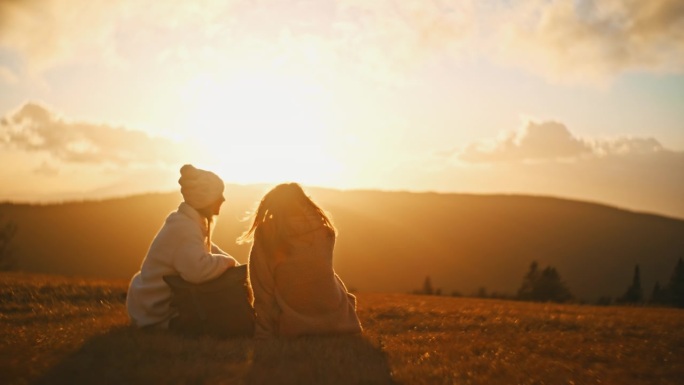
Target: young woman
(296, 290)
(182, 246)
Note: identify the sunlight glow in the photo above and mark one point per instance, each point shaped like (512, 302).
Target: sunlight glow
(262, 127)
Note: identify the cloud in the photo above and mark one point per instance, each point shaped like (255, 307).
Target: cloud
(584, 41)
(46, 169)
(631, 172)
(399, 35)
(7, 76)
(628, 146)
(552, 141)
(590, 41)
(34, 128)
(49, 33)
(535, 142)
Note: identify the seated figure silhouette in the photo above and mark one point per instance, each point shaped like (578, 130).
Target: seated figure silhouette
(182, 246)
(296, 290)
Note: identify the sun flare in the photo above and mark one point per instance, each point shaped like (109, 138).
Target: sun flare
(262, 127)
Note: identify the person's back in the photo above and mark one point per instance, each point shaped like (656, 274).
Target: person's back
(182, 246)
(296, 290)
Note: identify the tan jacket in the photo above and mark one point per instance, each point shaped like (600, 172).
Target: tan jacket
(300, 293)
(178, 248)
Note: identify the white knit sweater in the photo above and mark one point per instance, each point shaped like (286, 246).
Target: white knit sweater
(178, 248)
(300, 293)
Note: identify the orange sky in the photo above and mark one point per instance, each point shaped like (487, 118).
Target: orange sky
(579, 99)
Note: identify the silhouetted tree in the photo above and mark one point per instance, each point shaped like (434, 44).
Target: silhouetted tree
(427, 286)
(8, 260)
(675, 288)
(672, 294)
(658, 295)
(545, 285)
(634, 292)
(527, 289)
(552, 288)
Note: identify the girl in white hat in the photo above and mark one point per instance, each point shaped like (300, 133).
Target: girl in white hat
(296, 290)
(182, 246)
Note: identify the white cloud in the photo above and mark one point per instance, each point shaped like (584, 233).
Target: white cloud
(34, 128)
(590, 41)
(7, 76)
(399, 35)
(629, 172)
(547, 159)
(46, 169)
(584, 41)
(535, 142)
(551, 141)
(49, 33)
(627, 146)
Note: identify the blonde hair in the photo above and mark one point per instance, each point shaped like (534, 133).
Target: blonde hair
(209, 218)
(275, 207)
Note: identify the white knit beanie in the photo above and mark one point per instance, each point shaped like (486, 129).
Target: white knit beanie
(200, 188)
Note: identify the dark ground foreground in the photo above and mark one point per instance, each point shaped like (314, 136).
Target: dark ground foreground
(57, 330)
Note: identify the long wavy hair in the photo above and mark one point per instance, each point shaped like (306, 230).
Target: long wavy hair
(282, 202)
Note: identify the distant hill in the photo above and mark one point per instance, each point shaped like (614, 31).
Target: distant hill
(388, 241)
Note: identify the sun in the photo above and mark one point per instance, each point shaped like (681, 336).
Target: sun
(262, 127)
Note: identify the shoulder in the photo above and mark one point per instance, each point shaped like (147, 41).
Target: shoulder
(178, 223)
(301, 224)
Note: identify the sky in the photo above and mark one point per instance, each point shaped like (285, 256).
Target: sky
(575, 99)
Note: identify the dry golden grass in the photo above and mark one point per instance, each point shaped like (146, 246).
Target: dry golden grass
(472, 341)
(58, 330)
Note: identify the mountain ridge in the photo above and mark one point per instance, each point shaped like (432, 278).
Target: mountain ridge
(389, 241)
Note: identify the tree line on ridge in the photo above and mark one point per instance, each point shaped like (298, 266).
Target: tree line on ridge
(546, 285)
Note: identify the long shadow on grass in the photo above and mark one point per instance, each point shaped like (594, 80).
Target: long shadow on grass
(128, 356)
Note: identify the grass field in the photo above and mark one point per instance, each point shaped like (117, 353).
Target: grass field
(56, 330)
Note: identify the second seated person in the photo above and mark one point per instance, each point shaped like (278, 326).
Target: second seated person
(296, 290)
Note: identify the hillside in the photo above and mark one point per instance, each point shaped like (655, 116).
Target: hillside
(57, 330)
(388, 241)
